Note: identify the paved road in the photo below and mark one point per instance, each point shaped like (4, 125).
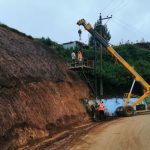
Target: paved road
(132, 133)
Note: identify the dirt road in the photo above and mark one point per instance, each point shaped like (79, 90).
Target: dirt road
(132, 133)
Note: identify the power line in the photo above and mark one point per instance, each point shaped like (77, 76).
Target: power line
(130, 27)
(126, 29)
(106, 22)
(118, 8)
(107, 5)
(122, 26)
(114, 6)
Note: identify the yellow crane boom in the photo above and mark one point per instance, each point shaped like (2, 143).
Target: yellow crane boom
(126, 65)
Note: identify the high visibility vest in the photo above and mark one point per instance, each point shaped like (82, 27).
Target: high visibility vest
(80, 55)
(101, 107)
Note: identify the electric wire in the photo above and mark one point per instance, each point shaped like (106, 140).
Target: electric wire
(115, 9)
(106, 22)
(110, 9)
(118, 7)
(107, 6)
(123, 26)
(130, 27)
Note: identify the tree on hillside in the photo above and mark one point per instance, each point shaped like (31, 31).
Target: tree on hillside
(101, 29)
(47, 41)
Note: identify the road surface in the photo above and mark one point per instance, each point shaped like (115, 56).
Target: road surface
(132, 133)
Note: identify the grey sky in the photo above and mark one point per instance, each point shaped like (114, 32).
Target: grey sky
(57, 18)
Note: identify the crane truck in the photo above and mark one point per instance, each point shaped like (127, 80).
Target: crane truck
(126, 109)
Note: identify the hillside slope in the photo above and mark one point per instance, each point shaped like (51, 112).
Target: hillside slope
(37, 91)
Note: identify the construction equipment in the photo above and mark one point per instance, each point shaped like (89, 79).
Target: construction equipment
(125, 110)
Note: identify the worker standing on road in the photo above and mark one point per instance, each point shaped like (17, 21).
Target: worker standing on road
(73, 56)
(101, 109)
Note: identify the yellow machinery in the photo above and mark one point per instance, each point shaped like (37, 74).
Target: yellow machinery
(125, 110)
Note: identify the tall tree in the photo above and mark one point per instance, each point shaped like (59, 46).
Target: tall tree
(101, 29)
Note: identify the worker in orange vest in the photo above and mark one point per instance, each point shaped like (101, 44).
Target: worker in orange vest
(80, 56)
(101, 109)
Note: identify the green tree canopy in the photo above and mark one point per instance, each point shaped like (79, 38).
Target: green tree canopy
(101, 29)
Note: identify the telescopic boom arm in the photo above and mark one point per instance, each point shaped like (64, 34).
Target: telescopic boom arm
(110, 49)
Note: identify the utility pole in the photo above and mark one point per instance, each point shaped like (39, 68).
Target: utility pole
(101, 54)
(95, 60)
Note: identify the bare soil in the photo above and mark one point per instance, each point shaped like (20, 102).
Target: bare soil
(39, 95)
(66, 139)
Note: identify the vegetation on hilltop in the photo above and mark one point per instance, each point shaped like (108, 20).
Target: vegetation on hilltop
(116, 79)
(14, 30)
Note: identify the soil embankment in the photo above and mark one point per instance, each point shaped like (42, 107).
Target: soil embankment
(38, 94)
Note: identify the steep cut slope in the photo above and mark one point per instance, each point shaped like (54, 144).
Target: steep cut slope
(37, 91)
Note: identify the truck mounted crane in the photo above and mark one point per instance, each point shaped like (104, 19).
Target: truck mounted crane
(125, 110)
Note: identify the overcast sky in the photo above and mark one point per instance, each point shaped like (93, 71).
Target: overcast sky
(57, 18)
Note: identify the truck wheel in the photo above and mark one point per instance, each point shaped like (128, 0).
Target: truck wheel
(128, 111)
(120, 111)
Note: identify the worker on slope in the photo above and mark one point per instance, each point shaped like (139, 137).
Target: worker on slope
(101, 109)
(73, 56)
